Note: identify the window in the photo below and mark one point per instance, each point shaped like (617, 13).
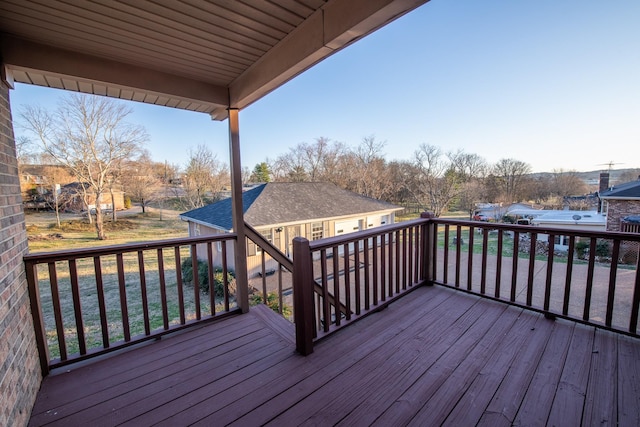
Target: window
(316, 230)
(268, 235)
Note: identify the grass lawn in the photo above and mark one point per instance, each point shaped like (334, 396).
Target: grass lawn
(130, 227)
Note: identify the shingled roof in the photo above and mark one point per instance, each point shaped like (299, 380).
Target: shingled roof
(628, 190)
(289, 202)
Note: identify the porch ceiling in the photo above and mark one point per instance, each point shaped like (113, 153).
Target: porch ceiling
(188, 54)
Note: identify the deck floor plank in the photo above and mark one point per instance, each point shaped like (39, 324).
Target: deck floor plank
(381, 366)
(628, 382)
(436, 356)
(600, 404)
(537, 402)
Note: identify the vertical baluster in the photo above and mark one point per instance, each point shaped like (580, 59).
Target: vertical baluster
(399, 260)
(358, 282)
(589, 288)
(104, 326)
(514, 265)
(280, 302)
(176, 252)
(613, 270)
(390, 251)
(550, 255)
(485, 251)
(411, 278)
(635, 304)
(77, 306)
(367, 282)
(264, 277)
(336, 284)
(434, 250)
(567, 280)
(143, 293)
(163, 290)
(196, 280)
(57, 310)
(383, 271)
(499, 263)
(31, 270)
(211, 278)
(123, 298)
(347, 281)
(445, 259)
(225, 276)
(470, 259)
(325, 290)
(458, 240)
(532, 266)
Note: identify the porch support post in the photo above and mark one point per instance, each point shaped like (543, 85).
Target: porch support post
(242, 282)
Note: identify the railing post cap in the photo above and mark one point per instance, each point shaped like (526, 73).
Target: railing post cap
(427, 215)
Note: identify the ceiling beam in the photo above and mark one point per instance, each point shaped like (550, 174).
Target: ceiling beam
(336, 25)
(20, 54)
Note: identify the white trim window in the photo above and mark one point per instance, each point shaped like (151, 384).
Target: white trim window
(317, 230)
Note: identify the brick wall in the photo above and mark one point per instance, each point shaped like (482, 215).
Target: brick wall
(19, 366)
(618, 209)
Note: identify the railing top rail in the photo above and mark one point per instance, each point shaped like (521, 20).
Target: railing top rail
(541, 230)
(360, 235)
(44, 257)
(274, 252)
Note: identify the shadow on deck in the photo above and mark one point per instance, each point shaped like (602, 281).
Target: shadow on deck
(436, 356)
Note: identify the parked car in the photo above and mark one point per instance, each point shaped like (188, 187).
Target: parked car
(481, 217)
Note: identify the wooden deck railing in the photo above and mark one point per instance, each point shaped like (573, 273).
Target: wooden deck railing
(362, 272)
(592, 279)
(86, 302)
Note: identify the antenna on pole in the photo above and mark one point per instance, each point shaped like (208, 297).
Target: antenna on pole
(609, 164)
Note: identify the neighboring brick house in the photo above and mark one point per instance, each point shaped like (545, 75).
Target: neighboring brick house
(281, 211)
(619, 202)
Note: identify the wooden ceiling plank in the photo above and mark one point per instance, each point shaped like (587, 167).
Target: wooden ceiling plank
(276, 10)
(205, 18)
(93, 43)
(162, 42)
(139, 18)
(277, 31)
(234, 6)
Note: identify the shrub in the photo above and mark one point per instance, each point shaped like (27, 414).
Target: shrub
(272, 303)
(581, 249)
(127, 202)
(203, 277)
(603, 249)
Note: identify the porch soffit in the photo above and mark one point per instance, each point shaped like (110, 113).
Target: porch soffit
(187, 54)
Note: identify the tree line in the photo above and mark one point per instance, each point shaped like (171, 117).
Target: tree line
(92, 140)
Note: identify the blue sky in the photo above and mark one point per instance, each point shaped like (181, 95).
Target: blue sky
(553, 83)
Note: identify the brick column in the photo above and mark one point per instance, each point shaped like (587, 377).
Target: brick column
(20, 375)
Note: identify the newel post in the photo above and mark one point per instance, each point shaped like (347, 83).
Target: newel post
(429, 237)
(303, 296)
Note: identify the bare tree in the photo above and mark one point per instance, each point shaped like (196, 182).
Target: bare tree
(511, 177)
(141, 181)
(204, 178)
(90, 136)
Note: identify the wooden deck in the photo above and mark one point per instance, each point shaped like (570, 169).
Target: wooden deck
(434, 357)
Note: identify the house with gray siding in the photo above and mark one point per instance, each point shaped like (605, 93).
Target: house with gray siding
(281, 211)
